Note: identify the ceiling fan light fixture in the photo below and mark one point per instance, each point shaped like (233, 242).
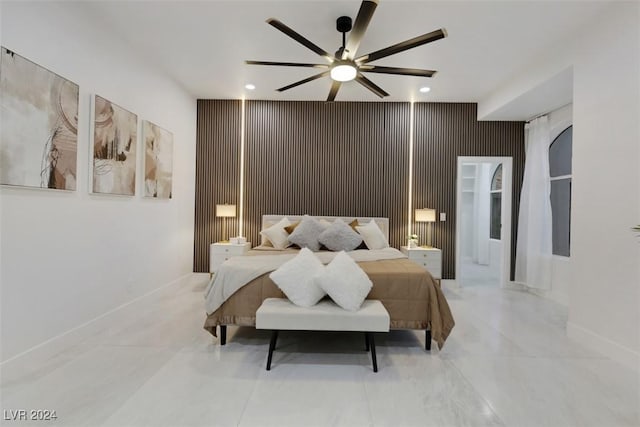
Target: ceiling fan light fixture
(343, 72)
(344, 65)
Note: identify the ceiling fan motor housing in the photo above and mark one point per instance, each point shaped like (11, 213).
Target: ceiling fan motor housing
(343, 24)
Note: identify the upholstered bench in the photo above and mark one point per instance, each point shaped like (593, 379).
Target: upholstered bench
(279, 314)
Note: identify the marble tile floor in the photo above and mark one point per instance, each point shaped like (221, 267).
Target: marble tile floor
(508, 362)
(473, 274)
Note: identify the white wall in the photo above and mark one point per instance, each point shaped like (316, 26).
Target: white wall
(604, 271)
(482, 214)
(605, 254)
(468, 212)
(467, 227)
(67, 258)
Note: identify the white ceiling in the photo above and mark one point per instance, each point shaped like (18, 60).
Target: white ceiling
(548, 96)
(203, 44)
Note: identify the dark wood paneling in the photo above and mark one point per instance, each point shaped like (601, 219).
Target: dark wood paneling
(444, 131)
(343, 158)
(217, 173)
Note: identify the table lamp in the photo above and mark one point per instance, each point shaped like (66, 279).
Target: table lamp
(225, 211)
(426, 215)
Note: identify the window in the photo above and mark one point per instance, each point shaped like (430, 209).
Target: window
(496, 204)
(560, 172)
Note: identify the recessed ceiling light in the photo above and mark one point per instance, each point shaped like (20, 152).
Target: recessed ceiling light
(425, 89)
(249, 86)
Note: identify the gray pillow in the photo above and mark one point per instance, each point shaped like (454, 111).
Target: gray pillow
(340, 237)
(306, 233)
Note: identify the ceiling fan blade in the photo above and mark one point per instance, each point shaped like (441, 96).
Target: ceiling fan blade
(359, 28)
(401, 47)
(397, 70)
(287, 64)
(334, 91)
(301, 82)
(299, 38)
(371, 86)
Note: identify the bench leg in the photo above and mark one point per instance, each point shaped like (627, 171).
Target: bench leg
(366, 341)
(372, 343)
(223, 334)
(427, 340)
(272, 346)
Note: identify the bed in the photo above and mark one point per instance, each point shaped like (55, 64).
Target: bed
(412, 297)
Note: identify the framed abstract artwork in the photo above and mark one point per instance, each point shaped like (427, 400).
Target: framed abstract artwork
(158, 161)
(115, 135)
(38, 125)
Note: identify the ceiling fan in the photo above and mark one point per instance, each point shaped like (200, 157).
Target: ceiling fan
(345, 66)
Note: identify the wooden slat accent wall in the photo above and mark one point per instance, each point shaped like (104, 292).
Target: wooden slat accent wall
(344, 158)
(444, 131)
(217, 173)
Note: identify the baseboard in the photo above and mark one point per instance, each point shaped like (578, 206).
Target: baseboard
(551, 296)
(611, 349)
(59, 343)
(514, 286)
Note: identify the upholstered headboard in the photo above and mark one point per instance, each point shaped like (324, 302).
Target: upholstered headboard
(383, 223)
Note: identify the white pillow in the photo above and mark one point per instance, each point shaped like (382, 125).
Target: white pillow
(372, 235)
(345, 282)
(324, 222)
(277, 235)
(295, 279)
(339, 236)
(307, 232)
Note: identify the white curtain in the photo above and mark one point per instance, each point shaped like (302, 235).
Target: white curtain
(534, 248)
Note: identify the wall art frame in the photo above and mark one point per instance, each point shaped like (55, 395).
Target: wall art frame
(114, 142)
(158, 161)
(39, 125)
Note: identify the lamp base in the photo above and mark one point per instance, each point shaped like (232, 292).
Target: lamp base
(224, 231)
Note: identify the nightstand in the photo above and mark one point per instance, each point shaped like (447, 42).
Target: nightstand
(220, 252)
(429, 258)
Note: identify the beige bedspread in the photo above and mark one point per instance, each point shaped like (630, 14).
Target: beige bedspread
(408, 292)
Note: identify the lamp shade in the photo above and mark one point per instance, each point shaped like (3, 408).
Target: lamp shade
(425, 215)
(226, 211)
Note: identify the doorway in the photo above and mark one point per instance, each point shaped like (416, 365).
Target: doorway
(483, 212)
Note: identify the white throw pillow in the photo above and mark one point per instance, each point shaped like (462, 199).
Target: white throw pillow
(324, 222)
(307, 232)
(296, 279)
(277, 235)
(339, 236)
(345, 282)
(372, 235)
